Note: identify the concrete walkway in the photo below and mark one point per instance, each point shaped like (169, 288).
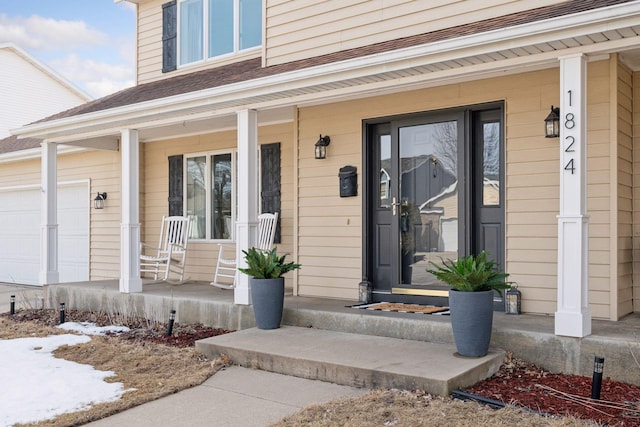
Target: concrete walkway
(233, 397)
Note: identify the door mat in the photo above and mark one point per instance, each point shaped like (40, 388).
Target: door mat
(404, 308)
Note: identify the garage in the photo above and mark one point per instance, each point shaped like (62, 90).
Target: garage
(20, 233)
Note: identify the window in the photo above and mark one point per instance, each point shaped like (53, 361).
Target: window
(210, 28)
(207, 190)
(210, 195)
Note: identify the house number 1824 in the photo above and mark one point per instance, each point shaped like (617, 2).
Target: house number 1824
(569, 141)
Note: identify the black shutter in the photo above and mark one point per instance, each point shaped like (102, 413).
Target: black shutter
(270, 178)
(175, 185)
(169, 36)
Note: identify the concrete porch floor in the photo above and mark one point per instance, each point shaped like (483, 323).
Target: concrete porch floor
(529, 337)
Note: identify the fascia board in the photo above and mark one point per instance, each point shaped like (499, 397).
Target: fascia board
(566, 26)
(35, 153)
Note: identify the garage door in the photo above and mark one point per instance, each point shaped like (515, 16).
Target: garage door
(20, 234)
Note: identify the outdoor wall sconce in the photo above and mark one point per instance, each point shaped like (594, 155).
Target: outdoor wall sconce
(98, 202)
(321, 146)
(512, 301)
(552, 123)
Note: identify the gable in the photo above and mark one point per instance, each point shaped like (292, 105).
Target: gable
(30, 91)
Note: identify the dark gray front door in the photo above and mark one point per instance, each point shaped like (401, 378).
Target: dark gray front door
(421, 207)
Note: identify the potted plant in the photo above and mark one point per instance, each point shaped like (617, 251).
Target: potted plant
(265, 270)
(473, 280)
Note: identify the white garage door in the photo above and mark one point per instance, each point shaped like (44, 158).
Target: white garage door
(20, 234)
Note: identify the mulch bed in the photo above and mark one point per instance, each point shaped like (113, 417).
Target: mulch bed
(523, 384)
(141, 330)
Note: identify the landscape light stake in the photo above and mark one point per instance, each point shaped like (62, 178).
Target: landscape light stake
(596, 383)
(12, 305)
(172, 318)
(62, 313)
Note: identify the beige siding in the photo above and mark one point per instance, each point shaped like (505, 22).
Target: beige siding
(322, 27)
(636, 192)
(150, 47)
(330, 233)
(624, 132)
(202, 255)
(149, 41)
(102, 169)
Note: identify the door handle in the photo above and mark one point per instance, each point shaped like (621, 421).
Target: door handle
(394, 207)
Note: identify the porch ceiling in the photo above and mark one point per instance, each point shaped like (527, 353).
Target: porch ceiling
(537, 45)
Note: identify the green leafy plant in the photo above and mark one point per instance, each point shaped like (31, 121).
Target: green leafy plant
(266, 265)
(472, 273)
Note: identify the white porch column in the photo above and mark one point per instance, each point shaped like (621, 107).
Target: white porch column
(130, 280)
(573, 317)
(49, 215)
(247, 216)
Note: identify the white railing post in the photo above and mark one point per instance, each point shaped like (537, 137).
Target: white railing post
(573, 317)
(130, 280)
(247, 202)
(49, 215)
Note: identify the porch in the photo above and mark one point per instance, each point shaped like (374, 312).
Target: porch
(530, 337)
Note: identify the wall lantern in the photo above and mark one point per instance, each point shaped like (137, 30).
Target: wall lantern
(98, 202)
(512, 301)
(552, 123)
(321, 146)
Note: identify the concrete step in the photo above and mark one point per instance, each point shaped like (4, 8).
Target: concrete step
(353, 359)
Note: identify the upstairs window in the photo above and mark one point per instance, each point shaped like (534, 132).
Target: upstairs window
(211, 28)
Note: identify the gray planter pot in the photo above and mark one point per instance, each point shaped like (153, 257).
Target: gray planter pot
(471, 321)
(267, 296)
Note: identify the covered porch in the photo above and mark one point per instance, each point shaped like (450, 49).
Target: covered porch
(304, 99)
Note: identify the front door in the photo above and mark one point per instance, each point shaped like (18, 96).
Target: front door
(433, 192)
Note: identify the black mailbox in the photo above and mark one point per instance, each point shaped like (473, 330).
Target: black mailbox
(348, 181)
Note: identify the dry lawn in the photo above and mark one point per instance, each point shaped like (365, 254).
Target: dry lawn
(150, 370)
(401, 408)
(153, 370)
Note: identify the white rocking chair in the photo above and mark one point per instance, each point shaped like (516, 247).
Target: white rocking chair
(171, 253)
(226, 268)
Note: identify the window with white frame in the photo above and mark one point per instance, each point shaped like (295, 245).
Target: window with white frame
(210, 195)
(210, 28)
